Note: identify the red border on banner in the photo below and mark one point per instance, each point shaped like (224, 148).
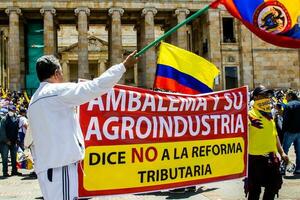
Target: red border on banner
(85, 193)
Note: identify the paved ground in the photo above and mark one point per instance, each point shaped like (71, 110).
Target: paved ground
(26, 188)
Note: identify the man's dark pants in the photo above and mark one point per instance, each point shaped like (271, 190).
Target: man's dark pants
(4, 148)
(263, 171)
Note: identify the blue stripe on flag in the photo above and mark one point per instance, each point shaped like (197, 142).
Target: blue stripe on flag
(182, 78)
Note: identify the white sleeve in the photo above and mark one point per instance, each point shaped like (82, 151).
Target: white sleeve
(82, 92)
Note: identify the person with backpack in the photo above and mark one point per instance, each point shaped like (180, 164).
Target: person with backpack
(3, 143)
(11, 126)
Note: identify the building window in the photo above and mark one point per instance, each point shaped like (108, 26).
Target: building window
(228, 30)
(231, 77)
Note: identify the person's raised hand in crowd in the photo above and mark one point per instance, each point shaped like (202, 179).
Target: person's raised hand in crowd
(130, 60)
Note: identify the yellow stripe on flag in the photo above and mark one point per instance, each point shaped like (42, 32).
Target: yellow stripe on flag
(292, 7)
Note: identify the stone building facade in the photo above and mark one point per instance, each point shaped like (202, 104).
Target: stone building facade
(90, 35)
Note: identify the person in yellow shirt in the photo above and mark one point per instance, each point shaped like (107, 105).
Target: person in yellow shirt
(264, 145)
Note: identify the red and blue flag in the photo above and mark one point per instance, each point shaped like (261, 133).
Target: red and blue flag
(275, 21)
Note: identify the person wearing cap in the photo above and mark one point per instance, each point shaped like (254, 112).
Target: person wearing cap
(58, 144)
(264, 144)
(291, 126)
(11, 126)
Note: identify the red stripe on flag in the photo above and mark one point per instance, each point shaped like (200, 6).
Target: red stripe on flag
(172, 85)
(215, 4)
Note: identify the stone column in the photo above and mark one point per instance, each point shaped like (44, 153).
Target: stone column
(83, 60)
(147, 64)
(14, 48)
(115, 37)
(181, 33)
(49, 30)
(214, 38)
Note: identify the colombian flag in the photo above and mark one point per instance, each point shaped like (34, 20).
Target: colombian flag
(275, 21)
(182, 71)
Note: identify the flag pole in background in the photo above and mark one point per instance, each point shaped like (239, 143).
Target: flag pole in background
(175, 28)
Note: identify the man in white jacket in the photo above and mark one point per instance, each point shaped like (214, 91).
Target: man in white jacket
(58, 144)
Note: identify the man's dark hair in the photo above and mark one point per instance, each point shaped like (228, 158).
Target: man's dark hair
(46, 66)
(293, 95)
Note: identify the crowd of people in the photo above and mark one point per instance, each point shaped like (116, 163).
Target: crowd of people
(13, 126)
(273, 127)
(286, 114)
